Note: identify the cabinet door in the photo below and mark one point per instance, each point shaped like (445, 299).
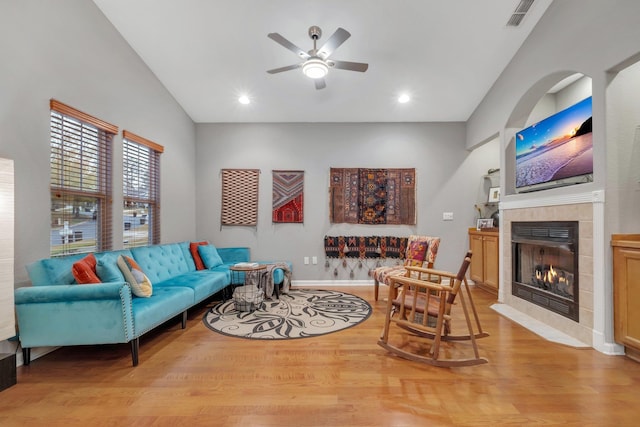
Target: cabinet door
(626, 291)
(491, 262)
(476, 268)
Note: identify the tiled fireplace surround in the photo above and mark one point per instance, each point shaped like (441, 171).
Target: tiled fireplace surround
(583, 213)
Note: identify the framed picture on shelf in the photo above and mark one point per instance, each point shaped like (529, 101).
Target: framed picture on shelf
(484, 223)
(494, 195)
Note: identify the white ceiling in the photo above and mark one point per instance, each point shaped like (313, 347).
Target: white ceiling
(445, 53)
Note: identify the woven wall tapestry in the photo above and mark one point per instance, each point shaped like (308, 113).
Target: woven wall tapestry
(239, 197)
(288, 196)
(372, 196)
(365, 247)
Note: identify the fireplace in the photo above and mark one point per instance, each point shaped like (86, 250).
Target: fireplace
(545, 265)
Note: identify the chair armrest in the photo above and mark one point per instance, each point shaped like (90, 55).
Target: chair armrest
(68, 293)
(431, 271)
(397, 281)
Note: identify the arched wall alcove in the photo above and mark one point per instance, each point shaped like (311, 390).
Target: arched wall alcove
(549, 95)
(608, 205)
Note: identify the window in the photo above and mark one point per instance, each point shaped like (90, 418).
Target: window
(80, 181)
(141, 186)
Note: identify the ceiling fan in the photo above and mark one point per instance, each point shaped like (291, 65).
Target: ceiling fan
(316, 62)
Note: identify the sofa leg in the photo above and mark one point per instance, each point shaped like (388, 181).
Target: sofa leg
(26, 356)
(135, 347)
(184, 319)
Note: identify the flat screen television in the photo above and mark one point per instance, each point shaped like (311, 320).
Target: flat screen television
(556, 151)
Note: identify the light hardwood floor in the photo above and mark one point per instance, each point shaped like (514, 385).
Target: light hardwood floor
(197, 377)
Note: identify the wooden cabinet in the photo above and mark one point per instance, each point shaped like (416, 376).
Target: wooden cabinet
(485, 265)
(626, 292)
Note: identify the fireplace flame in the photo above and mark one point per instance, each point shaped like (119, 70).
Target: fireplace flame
(551, 275)
(564, 281)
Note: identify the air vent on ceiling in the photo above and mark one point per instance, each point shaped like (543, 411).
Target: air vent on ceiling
(518, 15)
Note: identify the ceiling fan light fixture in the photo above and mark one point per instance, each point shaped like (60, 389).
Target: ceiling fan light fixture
(316, 63)
(315, 68)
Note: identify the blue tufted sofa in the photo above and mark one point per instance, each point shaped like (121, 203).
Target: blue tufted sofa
(55, 311)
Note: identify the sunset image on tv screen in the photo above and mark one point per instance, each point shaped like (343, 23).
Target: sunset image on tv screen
(558, 147)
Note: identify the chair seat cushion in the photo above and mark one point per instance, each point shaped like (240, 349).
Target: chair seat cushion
(382, 274)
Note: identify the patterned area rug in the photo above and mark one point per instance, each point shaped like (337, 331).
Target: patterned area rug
(302, 313)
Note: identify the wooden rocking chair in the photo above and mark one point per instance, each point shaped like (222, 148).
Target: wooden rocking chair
(423, 308)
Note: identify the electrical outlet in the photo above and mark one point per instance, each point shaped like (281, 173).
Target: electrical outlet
(306, 260)
(447, 216)
(314, 260)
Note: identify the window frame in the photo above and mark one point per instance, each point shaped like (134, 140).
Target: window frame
(70, 132)
(152, 201)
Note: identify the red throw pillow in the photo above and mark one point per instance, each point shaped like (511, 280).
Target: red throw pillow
(84, 270)
(417, 250)
(193, 247)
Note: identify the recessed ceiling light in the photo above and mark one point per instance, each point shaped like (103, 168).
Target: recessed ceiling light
(404, 98)
(244, 99)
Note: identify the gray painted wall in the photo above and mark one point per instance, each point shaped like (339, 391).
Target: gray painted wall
(586, 36)
(448, 180)
(623, 152)
(69, 51)
(598, 39)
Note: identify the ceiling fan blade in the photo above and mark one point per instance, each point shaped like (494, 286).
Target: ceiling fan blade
(351, 66)
(320, 83)
(281, 69)
(287, 44)
(336, 39)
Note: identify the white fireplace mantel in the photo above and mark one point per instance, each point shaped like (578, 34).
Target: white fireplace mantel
(557, 200)
(599, 313)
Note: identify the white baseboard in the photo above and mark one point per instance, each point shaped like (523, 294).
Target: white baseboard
(610, 348)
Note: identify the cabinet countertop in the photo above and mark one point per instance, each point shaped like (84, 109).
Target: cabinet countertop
(626, 240)
(492, 231)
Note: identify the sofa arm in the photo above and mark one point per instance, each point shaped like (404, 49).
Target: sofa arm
(234, 255)
(69, 293)
(74, 314)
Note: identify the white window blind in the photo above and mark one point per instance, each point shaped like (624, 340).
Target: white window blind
(80, 181)
(141, 190)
